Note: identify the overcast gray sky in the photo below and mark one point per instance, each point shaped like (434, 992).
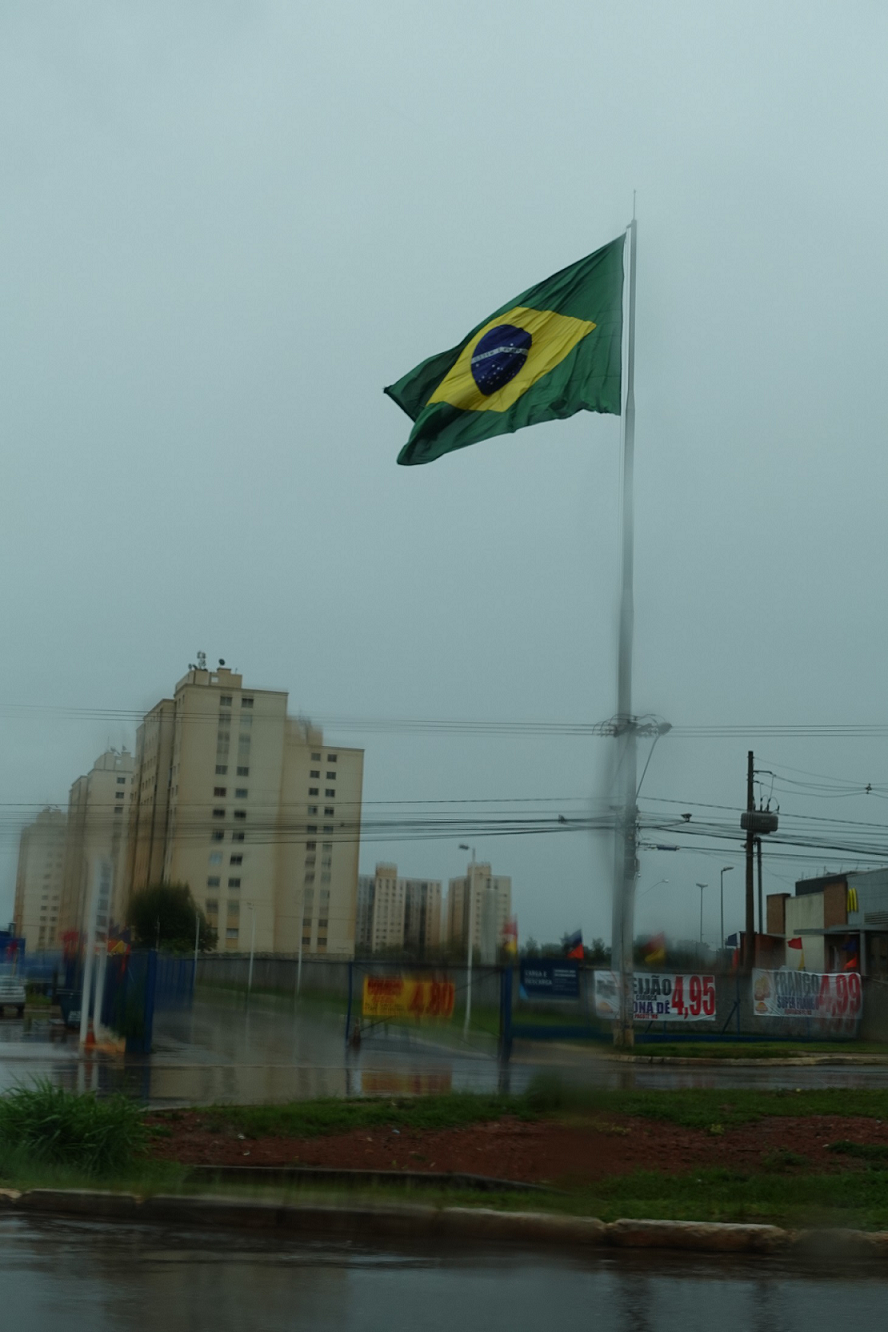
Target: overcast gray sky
(225, 227)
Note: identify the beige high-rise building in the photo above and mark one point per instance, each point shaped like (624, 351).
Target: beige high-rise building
(39, 879)
(491, 897)
(422, 915)
(387, 929)
(98, 816)
(396, 913)
(254, 811)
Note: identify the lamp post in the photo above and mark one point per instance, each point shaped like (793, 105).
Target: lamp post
(727, 869)
(701, 886)
(470, 931)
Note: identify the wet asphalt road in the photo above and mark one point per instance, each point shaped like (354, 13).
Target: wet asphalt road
(59, 1276)
(222, 1050)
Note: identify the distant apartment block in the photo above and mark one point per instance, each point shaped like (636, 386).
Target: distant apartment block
(396, 913)
(39, 879)
(253, 810)
(490, 897)
(98, 816)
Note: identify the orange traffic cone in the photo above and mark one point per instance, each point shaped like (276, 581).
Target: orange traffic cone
(90, 1042)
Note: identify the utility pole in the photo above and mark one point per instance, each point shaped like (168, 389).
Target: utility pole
(758, 848)
(749, 936)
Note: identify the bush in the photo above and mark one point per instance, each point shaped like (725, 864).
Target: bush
(52, 1126)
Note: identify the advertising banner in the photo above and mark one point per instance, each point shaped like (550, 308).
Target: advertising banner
(826, 997)
(548, 978)
(659, 996)
(401, 997)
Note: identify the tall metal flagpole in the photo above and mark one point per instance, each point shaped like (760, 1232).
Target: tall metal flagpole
(626, 864)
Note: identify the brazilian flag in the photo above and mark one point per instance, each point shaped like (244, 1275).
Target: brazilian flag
(552, 351)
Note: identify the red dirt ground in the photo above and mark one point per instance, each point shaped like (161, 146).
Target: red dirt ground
(541, 1151)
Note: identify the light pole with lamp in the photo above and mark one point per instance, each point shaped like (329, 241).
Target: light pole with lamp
(727, 869)
(701, 886)
(470, 931)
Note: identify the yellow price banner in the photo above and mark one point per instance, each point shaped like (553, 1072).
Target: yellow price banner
(399, 997)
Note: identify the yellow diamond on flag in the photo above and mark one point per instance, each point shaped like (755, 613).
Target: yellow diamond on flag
(507, 356)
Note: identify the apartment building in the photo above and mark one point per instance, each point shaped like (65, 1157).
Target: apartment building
(490, 898)
(254, 811)
(397, 913)
(98, 817)
(422, 915)
(39, 878)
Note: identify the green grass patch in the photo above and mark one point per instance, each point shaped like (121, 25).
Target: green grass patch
(307, 1119)
(47, 1125)
(864, 1151)
(853, 1200)
(753, 1049)
(712, 1110)
(705, 1107)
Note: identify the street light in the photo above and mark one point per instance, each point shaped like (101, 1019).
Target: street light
(470, 932)
(653, 886)
(701, 886)
(727, 869)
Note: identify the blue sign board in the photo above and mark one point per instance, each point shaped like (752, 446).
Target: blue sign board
(549, 978)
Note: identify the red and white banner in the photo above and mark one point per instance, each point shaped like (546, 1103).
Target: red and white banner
(828, 997)
(659, 996)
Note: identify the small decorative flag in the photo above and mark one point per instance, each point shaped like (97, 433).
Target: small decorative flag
(655, 950)
(510, 936)
(573, 945)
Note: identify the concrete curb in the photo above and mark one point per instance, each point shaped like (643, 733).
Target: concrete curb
(407, 1221)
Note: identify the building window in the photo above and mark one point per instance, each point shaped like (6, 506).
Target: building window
(322, 945)
(328, 846)
(225, 700)
(220, 790)
(312, 790)
(236, 860)
(326, 861)
(237, 837)
(234, 883)
(240, 813)
(322, 925)
(215, 857)
(309, 877)
(331, 758)
(121, 781)
(310, 860)
(315, 773)
(218, 813)
(246, 702)
(118, 809)
(328, 827)
(325, 877)
(315, 758)
(243, 772)
(231, 934)
(221, 769)
(216, 836)
(213, 881)
(331, 776)
(246, 723)
(312, 809)
(212, 905)
(311, 827)
(329, 811)
(240, 793)
(330, 791)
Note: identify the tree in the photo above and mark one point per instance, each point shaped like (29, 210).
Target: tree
(164, 915)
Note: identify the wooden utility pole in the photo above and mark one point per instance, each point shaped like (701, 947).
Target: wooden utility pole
(749, 936)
